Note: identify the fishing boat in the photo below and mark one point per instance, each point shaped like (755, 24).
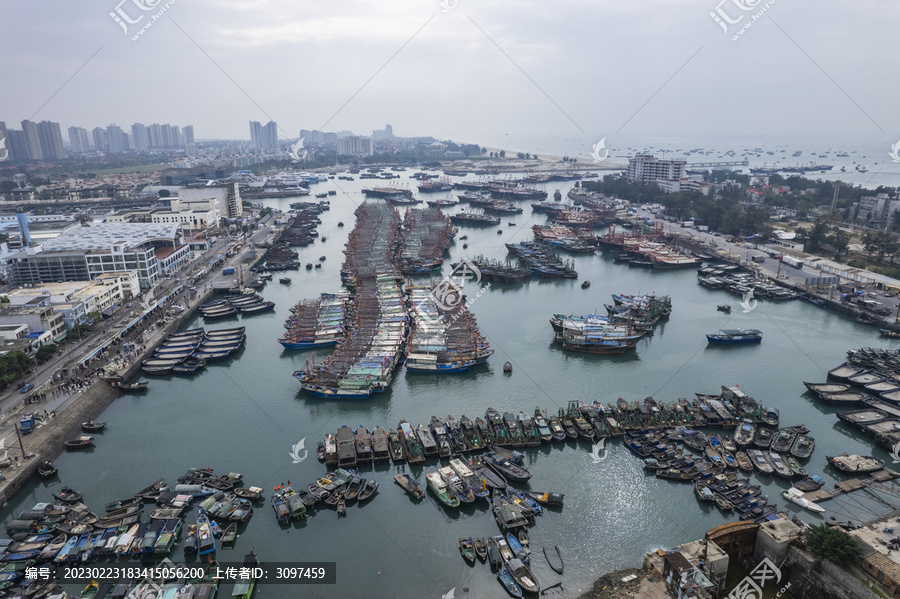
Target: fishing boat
(778, 465)
(509, 583)
(229, 537)
(505, 468)
(80, 443)
(557, 432)
(206, 542)
(409, 485)
(369, 489)
(516, 547)
(67, 495)
(763, 437)
(548, 499)
(92, 427)
(794, 465)
(243, 588)
(492, 479)
(803, 446)
(467, 549)
(46, 469)
(797, 496)
(477, 484)
(480, 547)
(455, 484)
(844, 372)
(856, 464)
(523, 576)
(735, 337)
(493, 552)
(760, 462)
(251, 493)
(784, 439)
(827, 387)
(810, 483)
(440, 489)
(282, 513)
(723, 308)
(743, 461)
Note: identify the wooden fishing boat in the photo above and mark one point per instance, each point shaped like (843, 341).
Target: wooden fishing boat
(523, 576)
(165, 513)
(353, 488)
(778, 465)
(251, 493)
(92, 427)
(493, 552)
(409, 485)
(509, 583)
(467, 549)
(481, 550)
(243, 589)
(783, 439)
(46, 469)
(743, 461)
(341, 506)
(493, 479)
(792, 463)
(763, 437)
(82, 442)
(803, 447)
(557, 432)
(395, 447)
(282, 513)
(827, 387)
(229, 537)
(368, 490)
(760, 462)
(505, 468)
(810, 483)
(855, 464)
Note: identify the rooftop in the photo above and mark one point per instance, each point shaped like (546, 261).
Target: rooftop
(103, 235)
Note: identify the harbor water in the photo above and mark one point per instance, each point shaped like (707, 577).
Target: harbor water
(248, 415)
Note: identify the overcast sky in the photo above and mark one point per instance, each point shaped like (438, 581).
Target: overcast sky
(473, 72)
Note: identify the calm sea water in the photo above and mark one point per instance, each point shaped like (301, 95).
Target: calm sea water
(246, 414)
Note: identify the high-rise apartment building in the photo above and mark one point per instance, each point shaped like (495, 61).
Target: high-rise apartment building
(101, 141)
(78, 139)
(50, 136)
(140, 137)
(32, 140)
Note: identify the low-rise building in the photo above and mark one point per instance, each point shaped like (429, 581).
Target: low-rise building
(76, 300)
(39, 316)
(11, 332)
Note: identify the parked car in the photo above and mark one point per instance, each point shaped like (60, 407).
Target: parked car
(26, 388)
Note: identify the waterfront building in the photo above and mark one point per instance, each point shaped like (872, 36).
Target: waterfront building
(82, 253)
(75, 300)
(647, 169)
(38, 317)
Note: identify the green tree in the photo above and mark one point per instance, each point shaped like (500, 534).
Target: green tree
(164, 193)
(95, 315)
(502, 153)
(834, 545)
(895, 221)
(840, 241)
(816, 236)
(7, 185)
(870, 243)
(45, 353)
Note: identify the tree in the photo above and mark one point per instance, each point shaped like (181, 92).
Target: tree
(95, 315)
(502, 153)
(870, 243)
(840, 241)
(834, 545)
(895, 220)
(45, 353)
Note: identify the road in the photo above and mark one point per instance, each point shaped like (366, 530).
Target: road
(773, 268)
(74, 351)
